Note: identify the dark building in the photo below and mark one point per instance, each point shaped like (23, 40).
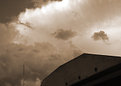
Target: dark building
(87, 70)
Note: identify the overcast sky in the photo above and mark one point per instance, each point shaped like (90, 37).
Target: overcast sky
(45, 34)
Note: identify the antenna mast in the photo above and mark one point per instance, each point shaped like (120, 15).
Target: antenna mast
(23, 74)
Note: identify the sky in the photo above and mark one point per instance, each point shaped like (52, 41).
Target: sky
(43, 35)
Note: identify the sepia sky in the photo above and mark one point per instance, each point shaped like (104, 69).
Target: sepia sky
(42, 35)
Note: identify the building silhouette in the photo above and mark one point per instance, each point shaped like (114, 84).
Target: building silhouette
(87, 70)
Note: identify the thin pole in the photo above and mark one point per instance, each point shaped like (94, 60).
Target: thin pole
(23, 73)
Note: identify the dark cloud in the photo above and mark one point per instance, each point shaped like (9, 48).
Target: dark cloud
(39, 3)
(101, 35)
(11, 8)
(64, 34)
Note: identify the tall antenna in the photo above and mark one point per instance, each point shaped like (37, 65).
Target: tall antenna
(23, 74)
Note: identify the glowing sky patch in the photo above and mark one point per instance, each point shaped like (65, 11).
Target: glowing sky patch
(68, 15)
(23, 30)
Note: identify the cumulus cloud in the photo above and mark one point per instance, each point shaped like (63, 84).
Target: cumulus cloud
(101, 35)
(33, 39)
(64, 34)
(79, 16)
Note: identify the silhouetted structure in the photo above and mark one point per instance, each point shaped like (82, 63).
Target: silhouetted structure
(87, 70)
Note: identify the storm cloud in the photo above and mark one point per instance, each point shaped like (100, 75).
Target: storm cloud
(15, 7)
(11, 9)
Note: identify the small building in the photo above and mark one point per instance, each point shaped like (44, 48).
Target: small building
(87, 70)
